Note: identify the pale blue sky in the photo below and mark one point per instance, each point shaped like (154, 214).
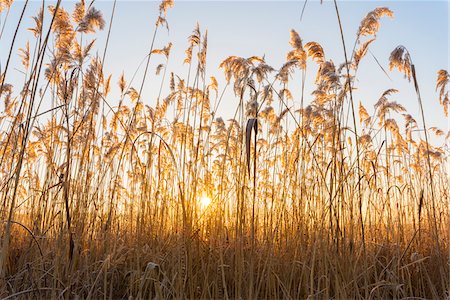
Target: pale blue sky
(262, 28)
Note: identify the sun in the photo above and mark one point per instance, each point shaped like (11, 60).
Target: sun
(205, 201)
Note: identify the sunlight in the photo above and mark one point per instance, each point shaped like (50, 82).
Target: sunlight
(204, 201)
(298, 170)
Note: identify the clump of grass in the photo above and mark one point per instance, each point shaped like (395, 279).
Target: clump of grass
(285, 200)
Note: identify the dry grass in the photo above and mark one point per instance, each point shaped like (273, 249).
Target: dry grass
(105, 202)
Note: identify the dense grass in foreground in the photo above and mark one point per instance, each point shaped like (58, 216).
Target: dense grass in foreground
(315, 198)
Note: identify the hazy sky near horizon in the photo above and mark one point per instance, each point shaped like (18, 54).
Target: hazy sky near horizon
(247, 28)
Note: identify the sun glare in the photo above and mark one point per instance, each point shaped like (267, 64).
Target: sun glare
(205, 201)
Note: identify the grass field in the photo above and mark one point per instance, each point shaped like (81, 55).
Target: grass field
(322, 197)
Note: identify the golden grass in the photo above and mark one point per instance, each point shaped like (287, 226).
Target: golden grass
(171, 201)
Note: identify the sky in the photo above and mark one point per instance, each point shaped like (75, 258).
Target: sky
(262, 28)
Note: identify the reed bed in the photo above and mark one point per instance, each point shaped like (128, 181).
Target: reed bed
(316, 198)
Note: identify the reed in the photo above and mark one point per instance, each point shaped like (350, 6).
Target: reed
(284, 200)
